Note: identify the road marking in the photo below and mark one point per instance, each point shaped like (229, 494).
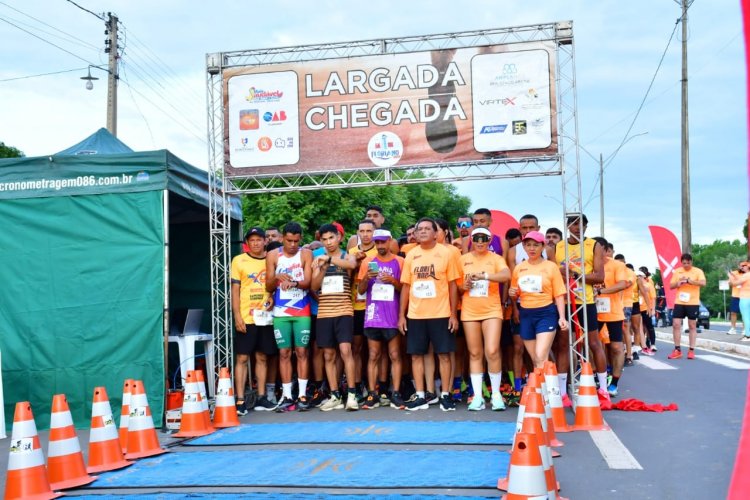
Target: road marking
(614, 452)
(654, 364)
(720, 360)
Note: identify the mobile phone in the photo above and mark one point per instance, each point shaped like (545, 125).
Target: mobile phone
(373, 266)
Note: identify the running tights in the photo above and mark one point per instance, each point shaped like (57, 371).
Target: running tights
(648, 326)
(745, 311)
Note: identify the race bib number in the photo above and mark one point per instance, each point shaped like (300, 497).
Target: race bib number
(424, 290)
(261, 317)
(684, 297)
(479, 288)
(291, 294)
(333, 284)
(361, 297)
(603, 305)
(530, 284)
(382, 292)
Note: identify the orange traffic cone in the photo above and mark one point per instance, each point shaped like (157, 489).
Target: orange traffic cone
(535, 408)
(588, 412)
(104, 446)
(142, 439)
(201, 384)
(64, 458)
(553, 441)
(555, 400)
(27, 475)
(225, 413)
(193, 421)
(124, 414)
(526, 478)
(533, 425)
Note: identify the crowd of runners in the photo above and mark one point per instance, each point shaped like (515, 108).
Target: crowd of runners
(436, 316)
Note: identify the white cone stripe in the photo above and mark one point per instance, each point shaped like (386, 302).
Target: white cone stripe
(124, 418)
(99, 409)
(23, 429)
(63, 447)
(587, 401)
(527, 480)
(191, 407)
(546, 456)
(61, 419)
(141, 423)
(222, 400)
(99, 434)
(588, 380)
(24, 460)
(139, 400)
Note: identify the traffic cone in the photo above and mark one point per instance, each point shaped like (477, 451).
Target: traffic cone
(125, 413)
(533, 425)
(225, 412)
(588, 412)
(555, 400)
(27, 475)
(526, 478)
(65, 464)
(142, 439)
(547, 410)
(535, 408)
(105, 452)
(201, 384)
(522, 406)
(193, 421)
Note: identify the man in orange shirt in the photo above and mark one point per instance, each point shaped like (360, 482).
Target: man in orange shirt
(609, 309)
(688, 281)
(429, 299)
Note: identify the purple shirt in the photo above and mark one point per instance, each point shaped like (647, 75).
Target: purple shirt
(383, 313)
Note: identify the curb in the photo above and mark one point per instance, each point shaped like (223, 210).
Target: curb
(714, 345)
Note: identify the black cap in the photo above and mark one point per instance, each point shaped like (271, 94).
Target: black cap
(257, 231)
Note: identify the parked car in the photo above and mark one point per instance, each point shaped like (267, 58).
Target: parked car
(664, 318)
(704, 317)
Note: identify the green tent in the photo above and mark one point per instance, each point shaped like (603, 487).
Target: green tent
(95, 248)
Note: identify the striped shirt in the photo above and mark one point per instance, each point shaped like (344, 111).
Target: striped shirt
(335, 296)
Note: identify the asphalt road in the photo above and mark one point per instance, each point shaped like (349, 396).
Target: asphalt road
(682, 454)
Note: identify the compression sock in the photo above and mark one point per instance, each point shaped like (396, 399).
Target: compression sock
(517, 382)
(302, 387)
(495, 382)
(602, 380)
(476, 383)
(286, 390)
(563, 383)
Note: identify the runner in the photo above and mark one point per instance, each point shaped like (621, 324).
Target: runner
(429, 298)
(463, 226)
(288, 277)
(648, 308)
(273, 234)
(627, 310)
(483, 218)
(741, 279)
(538, 285)
(379, 279)
(609, 309)
(251, 306)
(734, 305)
(375, 214)
(482, 315)
(552, 237)
(592, 264)
(513, 236)
(688, 281)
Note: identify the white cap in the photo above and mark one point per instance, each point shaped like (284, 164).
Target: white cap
(381, 235)
(482, 230)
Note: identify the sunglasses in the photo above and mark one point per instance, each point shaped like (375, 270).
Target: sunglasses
(464, 224)
(480, 238)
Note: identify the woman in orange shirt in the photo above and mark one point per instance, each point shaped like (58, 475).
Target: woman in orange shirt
(482, 272)
(539, 285)
(743, 281)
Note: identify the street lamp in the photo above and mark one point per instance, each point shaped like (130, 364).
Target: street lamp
(89, 79)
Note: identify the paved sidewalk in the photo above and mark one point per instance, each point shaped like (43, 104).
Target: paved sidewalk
(712, 339)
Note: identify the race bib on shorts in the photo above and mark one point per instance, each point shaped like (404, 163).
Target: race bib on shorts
(424, 290)
(479, 288)
(530, 284)
(603, 305)
(261, 317)
(382, 292)
(684, 296)
(333, 284)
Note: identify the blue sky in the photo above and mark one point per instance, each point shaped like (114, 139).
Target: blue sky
(618, 46)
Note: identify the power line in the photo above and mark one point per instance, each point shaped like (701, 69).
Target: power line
(42, 74)
(82, 42)
(98, 16)
(47, 41)
(130, 90)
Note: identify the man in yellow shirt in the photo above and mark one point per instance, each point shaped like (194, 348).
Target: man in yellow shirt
(688, 281)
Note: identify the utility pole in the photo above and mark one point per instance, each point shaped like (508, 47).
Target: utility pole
(110, 47)
(685, 156)
(601, 195)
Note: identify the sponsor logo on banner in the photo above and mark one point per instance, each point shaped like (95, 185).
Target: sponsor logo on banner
(538, 123)
(279, 143)
(142, 176)
(275, 117)
(385, 149)
(493, 129)
(255, 94)
(506, 101)
(519, 127)
(249, 119)
(265, 143)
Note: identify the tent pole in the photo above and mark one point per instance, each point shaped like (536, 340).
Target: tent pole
(165, 224)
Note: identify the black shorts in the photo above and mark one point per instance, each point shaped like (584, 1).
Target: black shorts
(334, 331)
(313, 329)
(734, 306)
(591, 317)
(636, 308)
(359, 323)
(683, 311)
(506, 333)
(615, 330)
(258, 338)
(420, 332)
(381, 334)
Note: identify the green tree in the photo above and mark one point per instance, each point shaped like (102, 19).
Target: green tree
(10, 151)
(402, 205)
(716, 259)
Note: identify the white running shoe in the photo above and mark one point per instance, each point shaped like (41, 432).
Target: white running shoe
(333, 403)
(497, 402)
(732, 331)
(477, 404)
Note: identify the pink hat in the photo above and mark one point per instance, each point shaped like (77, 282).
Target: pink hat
(534, 235)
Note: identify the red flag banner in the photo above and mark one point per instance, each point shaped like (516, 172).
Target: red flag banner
(501, 222)
(668, 254)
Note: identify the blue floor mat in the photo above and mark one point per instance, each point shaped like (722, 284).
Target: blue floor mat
(314, 468)
(273, 496)
(366, 432)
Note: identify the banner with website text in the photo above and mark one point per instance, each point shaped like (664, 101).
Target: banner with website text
(417, 108)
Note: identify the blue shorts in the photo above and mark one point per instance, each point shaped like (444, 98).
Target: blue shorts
(734, 306)
(628, 311)
(538, 320)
